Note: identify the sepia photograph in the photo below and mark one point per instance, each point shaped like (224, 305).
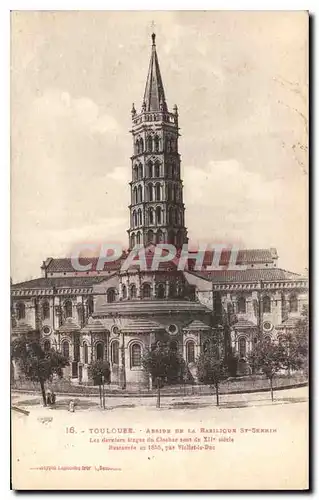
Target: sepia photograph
(159, 250)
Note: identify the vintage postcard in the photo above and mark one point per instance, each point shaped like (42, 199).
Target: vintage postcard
(159, 250)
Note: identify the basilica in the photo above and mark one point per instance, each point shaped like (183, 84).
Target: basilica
(115, 313)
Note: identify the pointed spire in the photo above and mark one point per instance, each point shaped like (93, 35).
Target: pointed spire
(154, 96)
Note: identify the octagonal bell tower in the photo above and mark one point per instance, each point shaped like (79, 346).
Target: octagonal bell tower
(157, 212)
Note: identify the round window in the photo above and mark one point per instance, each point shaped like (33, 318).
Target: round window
(267, 326)
(172, 329)
(115, 330)
(46, 330)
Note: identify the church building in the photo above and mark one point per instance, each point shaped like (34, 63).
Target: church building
(116, 313)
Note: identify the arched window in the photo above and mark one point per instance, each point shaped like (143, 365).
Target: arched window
(266, 304)
(110, 295)
(149, 142)
(242, 347)
(47, 345)
(190, 352)
(21, 310)
(140, 222)
(156, 144)
(170, 215)
(293, 303)
(161, 291)
(45, 310)
(241, 305)
(134, 218)
(158, 191)
(138, 238)
(90, 304)
(65, 348)
(169, 192)
(141, 145)
(150, 169)
(176, 192)
(159, 236)
(68, 308)
(137, 147)
(174, 170)
(79, 309)
(115, 350)
(133, 240)
(151, 216)
(172, 290)
(99, 351)
(132, 292)
(150, 192)
(157, 169)
(150, 236)
(135, 195)
(85, 353)
(124, 292)
(146, 291)
(171, 237)
(267, 338)
(139, 194)
(136, 355)
(135, 173)
(140, 171)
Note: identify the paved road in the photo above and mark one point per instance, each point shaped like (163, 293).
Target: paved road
(290, 396)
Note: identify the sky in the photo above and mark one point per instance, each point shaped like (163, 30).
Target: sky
(240, 80)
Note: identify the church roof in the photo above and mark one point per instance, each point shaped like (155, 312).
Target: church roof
(94, 325)
(289, 323)
(154, 95)
(244, 256)
(65, 264)
(243, 324)
(197, 325)
(22, 329)
(66, 281)
(141, 325)
(248, 275)
(69, 326)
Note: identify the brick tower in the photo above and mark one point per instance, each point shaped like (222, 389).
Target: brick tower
(157, 210)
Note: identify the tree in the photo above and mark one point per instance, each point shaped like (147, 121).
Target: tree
(269, 358)
(163, 365)
(211, 369)
(295, 343)
(100, 372)
(37, 364)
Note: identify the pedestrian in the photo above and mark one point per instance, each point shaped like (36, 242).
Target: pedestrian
(71, 405)
(49, 398)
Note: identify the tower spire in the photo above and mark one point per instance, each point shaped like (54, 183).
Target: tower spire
(154, 95)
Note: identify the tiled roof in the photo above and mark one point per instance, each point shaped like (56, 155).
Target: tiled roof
(197, 325)
(245, 256)
(151, 307)
(141, 325)
(244, 323)
(247, 275)
(69, 326)
(22, 329)
(289, 323)
(94, 325)
(78, 281)
(65, 265)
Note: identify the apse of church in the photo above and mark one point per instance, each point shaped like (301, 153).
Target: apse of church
(116, 314)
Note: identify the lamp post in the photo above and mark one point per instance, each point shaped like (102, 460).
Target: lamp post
(122, 334)
(103, 393)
